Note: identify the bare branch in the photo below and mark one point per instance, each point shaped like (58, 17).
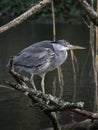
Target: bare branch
(47, 102)
(3, 86)
(54, 119)
(89, 10)
(88, 114)
(24, 16)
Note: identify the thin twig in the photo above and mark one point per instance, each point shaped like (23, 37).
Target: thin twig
(53, 20)
(3, 86)
(74, 75)
(52, 117)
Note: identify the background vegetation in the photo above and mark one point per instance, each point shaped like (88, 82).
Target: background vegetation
(64, 9)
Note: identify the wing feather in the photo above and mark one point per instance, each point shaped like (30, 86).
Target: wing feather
(35, 57)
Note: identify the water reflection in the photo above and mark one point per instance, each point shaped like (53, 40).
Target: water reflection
(15, 112)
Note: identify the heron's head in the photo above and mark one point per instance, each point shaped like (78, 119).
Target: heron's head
(67, 46)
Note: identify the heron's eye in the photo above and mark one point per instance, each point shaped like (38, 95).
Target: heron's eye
(65, 46)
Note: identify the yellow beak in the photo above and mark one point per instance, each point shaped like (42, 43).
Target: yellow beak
(74, 47)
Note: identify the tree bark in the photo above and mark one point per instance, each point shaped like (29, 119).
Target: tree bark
(96, 65)
(83, 125)
(92, 14)
(54, 120)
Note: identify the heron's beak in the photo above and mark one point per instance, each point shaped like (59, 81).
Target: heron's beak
(74, 47)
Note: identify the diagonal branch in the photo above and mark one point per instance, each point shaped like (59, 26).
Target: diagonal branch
(47, 102)
(24, 16)
(54, 119)
(92, 14)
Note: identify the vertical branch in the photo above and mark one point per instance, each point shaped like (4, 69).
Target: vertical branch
(93, 56)
(96, 63)
(53, 20)
(54, 120)
(52, 115)
(54, 87)
(53, 27)
(60, 75)
(74, 71)
(61, 81)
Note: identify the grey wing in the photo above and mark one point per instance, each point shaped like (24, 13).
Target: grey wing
(37, 57)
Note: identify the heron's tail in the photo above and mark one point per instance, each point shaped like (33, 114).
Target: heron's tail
(8, 64)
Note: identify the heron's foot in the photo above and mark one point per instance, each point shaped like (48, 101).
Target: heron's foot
(43, 89)
(34, 89)
(33, 85)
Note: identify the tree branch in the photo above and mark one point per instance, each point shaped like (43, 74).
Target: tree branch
(54, 119)
(24, 16)
(92, 14)
(47, 103)
(85, 6)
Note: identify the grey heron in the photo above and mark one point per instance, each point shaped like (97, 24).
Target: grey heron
(41, 57)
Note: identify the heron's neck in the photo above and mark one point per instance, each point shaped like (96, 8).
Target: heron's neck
(61, 57)
(60, 54)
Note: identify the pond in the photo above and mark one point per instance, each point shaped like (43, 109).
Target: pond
(15, 110)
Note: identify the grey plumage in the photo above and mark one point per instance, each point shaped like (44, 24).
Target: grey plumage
(38, 56)
(41, 57)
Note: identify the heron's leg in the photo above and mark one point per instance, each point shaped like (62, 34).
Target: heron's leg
(43, 83)
(19, 70)
(32, 82)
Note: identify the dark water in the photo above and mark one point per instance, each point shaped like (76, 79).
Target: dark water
(15, 113)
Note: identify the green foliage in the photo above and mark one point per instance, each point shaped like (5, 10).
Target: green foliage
(63, 8)
(68, 7)
(15, 7)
